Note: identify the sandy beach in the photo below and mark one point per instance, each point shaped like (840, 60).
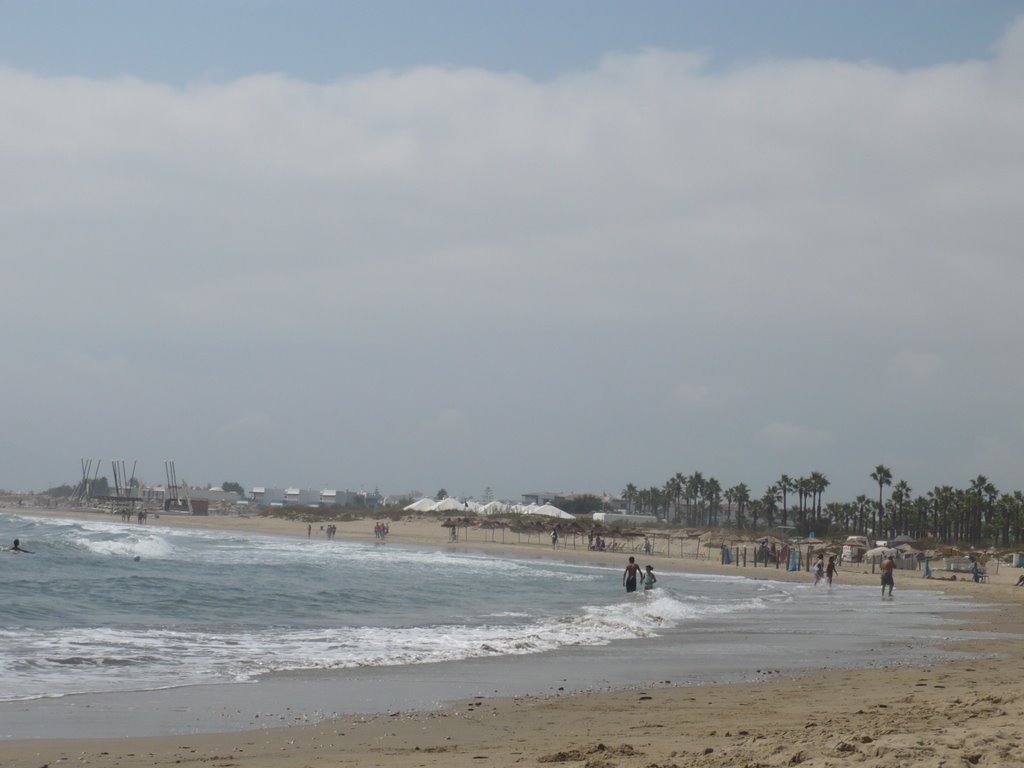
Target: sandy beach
(966, 712)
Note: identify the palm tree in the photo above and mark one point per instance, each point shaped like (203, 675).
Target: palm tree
(803, 490)
(694, 492)
(883, 476)
(672, 491)
(987, 494)
(785, 486)
(742, 499)
(900, 498)
(712, 494)
(629, 494)
(863, 506)
(818, 483)
(678, 488)
(768, 504)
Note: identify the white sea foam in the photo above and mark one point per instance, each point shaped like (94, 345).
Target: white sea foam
(109, 659)
(129, 545)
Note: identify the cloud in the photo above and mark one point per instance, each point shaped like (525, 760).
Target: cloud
(544, 256)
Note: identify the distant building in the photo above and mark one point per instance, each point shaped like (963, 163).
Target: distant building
(541, 497)
(301, 496)
(331, 498)
(266, 496)
(159, 493)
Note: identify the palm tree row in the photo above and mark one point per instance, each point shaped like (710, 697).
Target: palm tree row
(976, 514)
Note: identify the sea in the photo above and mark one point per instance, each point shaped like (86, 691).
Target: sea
(115, 629)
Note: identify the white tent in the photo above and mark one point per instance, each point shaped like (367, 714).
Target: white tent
(448, 505)
(549, 510)
(493, 508)
(423, 505)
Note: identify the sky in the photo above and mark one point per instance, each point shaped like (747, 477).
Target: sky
(518, 246)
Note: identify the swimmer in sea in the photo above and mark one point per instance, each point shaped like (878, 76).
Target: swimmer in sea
(17, 548)
(649, 578)
(630, 574)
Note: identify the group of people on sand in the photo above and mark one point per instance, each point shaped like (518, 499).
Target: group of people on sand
(380, 530)
(633, 573)
(16, 547)
(600, 545)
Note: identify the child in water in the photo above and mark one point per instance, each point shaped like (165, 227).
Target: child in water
(649, 578)
(830, 569)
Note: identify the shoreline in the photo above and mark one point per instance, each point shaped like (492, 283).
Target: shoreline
(895, 708)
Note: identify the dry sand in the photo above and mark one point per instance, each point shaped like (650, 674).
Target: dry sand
(958, 714)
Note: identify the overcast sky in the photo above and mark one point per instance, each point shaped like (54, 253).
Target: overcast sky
(472, 244)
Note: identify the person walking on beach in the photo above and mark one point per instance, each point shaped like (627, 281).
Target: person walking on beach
(554, 537)
(887, 581)
(630, 574)
(649, 578)
(17, 548)
(830, 569)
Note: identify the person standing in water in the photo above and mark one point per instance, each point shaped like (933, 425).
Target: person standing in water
(649, 578)
(887, 581)
(630, 574)
(831, 569)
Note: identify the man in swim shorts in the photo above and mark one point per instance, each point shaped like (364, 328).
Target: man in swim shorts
(630, 574)
(887, 581)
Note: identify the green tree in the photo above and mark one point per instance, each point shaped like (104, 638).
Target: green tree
(883, 476)
(233, 486)
(786, 486)
(441, 495)
(818, 483)
(629, 493)
(900, 502)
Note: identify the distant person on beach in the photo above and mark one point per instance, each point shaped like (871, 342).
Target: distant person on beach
(554, 537)
(17, 548)
(830, 569)
(1020, 582)
(887, 566)
(819, 569)
(649, 578)
(630, 574)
